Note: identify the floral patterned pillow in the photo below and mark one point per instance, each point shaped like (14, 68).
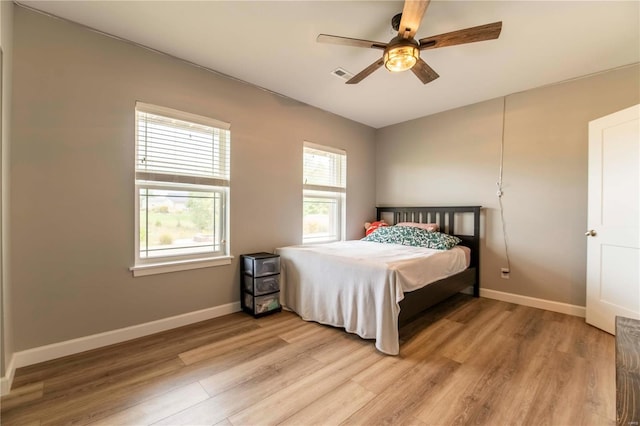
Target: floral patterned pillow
(411, 236)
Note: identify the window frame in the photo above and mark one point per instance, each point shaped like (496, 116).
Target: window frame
(336, 193)
(145, 180)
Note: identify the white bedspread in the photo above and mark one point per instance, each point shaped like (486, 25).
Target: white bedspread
(358, 284)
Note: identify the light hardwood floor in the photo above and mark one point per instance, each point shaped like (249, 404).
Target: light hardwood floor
(465, 361)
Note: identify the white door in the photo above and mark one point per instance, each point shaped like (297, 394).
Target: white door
(613, 247)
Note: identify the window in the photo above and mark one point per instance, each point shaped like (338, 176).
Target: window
(182, 185)
(324, 188)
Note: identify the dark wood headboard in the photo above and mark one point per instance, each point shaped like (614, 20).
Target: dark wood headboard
(418, 300)
(445, 218)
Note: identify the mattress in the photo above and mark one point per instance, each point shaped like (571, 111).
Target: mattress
(358, 284)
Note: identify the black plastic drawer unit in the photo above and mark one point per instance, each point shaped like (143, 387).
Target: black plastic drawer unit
(261, 264)
(260, 283)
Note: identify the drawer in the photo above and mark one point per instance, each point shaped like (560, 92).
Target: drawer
(261, 285)
(263, 304)
(259, 267)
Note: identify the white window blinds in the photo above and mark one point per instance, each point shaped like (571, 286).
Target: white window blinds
(180, 147)
(324, 168)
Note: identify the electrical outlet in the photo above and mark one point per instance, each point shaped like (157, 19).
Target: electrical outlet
(504, 273)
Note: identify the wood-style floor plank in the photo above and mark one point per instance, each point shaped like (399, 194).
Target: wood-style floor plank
(461, 396)
(385, 373)
(397, 404)
(285, 402)
(157, 408)
(465, 361)
(23, 395)
(269, 361)
(345, 400)
(246, 394)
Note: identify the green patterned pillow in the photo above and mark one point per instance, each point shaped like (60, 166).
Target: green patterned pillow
(410, 236)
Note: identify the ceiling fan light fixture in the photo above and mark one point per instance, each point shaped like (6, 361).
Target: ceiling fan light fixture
(403, 51)
(401, 58)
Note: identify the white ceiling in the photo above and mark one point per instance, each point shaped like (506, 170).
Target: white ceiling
(272, 44)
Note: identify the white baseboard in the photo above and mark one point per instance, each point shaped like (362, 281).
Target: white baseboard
(549, 305)
(7, 379)
(74, 346)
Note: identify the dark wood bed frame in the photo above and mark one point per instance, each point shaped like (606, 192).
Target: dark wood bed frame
(418, 300)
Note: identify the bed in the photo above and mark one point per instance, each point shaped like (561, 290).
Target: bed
(371, 289)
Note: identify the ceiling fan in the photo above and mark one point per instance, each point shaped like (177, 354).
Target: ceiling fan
(403, 51)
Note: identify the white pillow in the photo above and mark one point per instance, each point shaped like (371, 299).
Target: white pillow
(431, 227)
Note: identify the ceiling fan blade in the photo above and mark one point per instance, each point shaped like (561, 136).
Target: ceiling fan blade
(468, 35)
(366, 72)
(346, 41)
(424, 72)
(412, 14)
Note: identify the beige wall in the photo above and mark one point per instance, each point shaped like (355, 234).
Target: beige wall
(6, 43)
(72, 169)
(453, 158)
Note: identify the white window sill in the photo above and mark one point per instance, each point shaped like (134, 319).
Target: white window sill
(183, 265)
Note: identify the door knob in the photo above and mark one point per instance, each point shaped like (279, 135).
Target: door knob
(590, 233)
